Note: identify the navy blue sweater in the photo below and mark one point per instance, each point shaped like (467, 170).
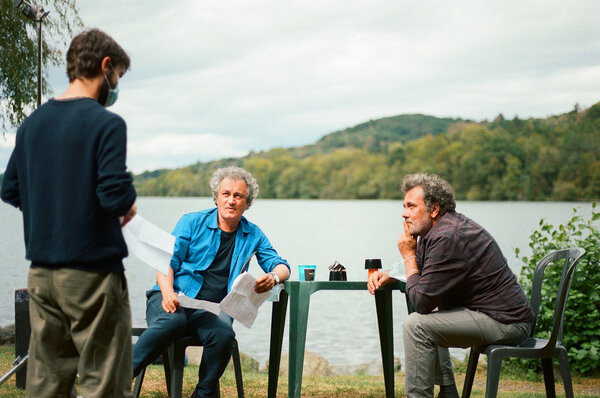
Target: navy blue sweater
(67, 174)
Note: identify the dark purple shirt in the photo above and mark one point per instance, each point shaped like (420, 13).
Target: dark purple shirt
(461, 265)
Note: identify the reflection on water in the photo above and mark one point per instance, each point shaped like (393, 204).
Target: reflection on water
(342, 325)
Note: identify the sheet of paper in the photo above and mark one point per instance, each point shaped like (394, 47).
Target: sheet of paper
(242, 302)
(149, 243)
(188, 302)
(398, 272)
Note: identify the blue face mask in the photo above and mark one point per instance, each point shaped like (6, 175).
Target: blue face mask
(113, 93)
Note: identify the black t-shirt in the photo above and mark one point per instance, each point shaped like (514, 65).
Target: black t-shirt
(216, 276)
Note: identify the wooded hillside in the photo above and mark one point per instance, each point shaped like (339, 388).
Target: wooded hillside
(557, 158)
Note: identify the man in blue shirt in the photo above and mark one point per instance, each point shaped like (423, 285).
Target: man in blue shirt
(211, 248)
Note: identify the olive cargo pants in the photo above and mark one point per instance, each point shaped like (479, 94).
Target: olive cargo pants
(80, 326)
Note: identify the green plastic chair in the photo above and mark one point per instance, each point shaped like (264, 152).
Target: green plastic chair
(174, 364)
(533, 347)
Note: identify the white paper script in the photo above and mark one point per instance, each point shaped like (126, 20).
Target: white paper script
(188, 302)
(241, 303)
(149, 243)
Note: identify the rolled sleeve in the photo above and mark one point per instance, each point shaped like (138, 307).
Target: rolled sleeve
(267, 256)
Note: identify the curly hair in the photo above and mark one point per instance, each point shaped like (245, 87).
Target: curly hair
(435, 189)
(88, 49)
(235, 173)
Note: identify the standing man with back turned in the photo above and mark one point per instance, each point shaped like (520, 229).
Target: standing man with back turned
(67, 175)
(463, 292)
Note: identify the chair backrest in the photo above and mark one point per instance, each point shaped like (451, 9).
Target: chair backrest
(571, 258)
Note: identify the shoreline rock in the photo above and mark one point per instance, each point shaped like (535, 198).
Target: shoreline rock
(7, 335)
(314, 365)
(317, 365)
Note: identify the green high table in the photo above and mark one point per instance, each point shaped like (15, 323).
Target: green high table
(299, 294)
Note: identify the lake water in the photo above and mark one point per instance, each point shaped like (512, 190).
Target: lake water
(342, 326)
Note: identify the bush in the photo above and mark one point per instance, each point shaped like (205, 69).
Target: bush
(582, 316)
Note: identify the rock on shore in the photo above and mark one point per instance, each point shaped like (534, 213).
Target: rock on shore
(7, 335)
(317, 365)
(313, 365)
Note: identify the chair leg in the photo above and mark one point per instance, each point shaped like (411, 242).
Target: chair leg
(548, 377)
(493, 375)
(237, 366)
(138, 383)
(470, 374)
(167, 357)
(177, 352)
(565, 370)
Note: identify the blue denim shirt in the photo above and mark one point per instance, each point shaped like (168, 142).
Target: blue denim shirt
(197, 241)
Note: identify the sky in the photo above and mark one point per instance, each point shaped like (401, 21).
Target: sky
(212, 79)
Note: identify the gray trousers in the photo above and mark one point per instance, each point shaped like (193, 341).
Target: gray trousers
(428, 336)
(80, 325)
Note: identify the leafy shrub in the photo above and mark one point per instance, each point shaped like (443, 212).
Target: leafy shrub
(582, 316)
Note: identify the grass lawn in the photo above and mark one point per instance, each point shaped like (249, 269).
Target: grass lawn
(255, 384)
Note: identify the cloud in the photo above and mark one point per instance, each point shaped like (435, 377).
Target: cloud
(172, 150)
(279, 73)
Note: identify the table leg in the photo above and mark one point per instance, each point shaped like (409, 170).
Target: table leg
(277, 327)
(383, 303)
(299, 303)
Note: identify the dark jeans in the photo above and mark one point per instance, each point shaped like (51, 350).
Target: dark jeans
(214, 332)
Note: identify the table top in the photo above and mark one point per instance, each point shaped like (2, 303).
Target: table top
(313, 286)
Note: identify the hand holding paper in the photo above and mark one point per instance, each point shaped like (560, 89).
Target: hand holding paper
(241, 303)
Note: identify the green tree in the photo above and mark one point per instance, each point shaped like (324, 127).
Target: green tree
(18, 54)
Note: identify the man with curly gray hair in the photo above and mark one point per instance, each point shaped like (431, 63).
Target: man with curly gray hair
(211, 249)
(463, 292)
(235, 173)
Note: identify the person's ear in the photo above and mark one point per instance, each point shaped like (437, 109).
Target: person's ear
(105, 65)
(435, 211)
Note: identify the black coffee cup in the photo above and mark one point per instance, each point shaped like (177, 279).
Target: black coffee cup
(337, 276)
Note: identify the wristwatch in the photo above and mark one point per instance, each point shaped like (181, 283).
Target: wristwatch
(275, 276)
